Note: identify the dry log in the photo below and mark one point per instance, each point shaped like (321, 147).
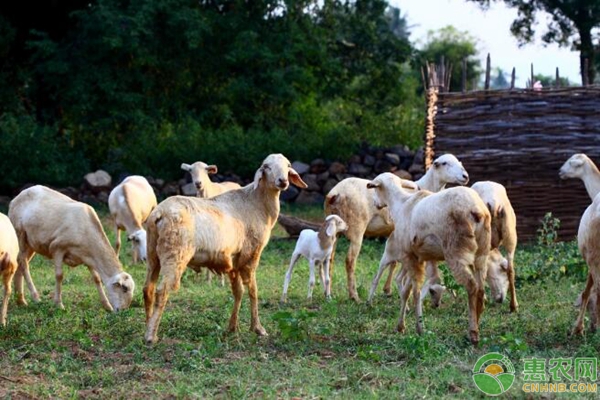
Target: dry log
(293, 226)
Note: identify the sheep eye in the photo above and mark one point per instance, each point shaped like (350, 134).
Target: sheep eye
(444, 163)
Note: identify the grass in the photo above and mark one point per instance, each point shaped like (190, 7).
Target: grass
(314, 350)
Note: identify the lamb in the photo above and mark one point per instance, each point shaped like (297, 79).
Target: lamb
(354, 204)
(452, 225)
(580, 166)
(317, 248)
(66, 231)
(205, 188)
(226, 233)
(588, 241)
(130, 203)
(9, 251)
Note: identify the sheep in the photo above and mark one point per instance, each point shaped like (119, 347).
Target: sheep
(354, 204)
(226, 233)
(588, 241)
(504, 231)
(205, 188)
(580, 166)
(452, 225)
(317, 248)
(9, 251)
(66, 231)
(130, 203)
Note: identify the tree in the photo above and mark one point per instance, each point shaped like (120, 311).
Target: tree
(572, 23)
(499, 81)
(455, 46)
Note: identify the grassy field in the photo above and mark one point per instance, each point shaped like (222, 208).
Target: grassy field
(314, 350)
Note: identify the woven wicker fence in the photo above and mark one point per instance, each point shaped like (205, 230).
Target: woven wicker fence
(520, 138)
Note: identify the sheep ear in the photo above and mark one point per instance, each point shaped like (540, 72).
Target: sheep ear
(294, 178)
(212, 169)
(186, 167)
(373, 185)
(409, 185)
(258, 176)
(501, 211)
(504, 265)
(330, 230)
(576, 162)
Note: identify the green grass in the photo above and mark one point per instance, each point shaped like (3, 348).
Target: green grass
(314, 350)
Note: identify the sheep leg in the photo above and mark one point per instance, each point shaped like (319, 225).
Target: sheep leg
(118, 241)
(58, 274)
(25, 255)
(152, 273)
(208, 276)
(595, 311)
(311, 278)
(238, 290)
(578, 329)
(404, 291)
(331, 258)
(417, 281)
(514, 305)
(134, 255)
(98, 283)
(255, 324)
(7, 277)
(353, 252)
(326, 280)
(288, 276)
(386, 260)
(387, 287)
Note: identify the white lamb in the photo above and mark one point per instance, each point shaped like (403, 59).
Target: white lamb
(354, 204)
(130, 204)
(9, 251)
(66, 231)
(316, 247)
(226, 233)
(452, 225)
(580, 166)
(204, 186)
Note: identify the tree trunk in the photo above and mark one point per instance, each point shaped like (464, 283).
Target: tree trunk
(293, 226)
(586, 51)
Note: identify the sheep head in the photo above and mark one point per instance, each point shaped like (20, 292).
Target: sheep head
(276, 173)
(138, 242)
(334, 225)
(497, 275)
(199, 172)
(449, 170)
(574, 167)
(388, 186)
(120, 291)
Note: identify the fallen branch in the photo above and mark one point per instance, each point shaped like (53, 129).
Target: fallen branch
(293, 226)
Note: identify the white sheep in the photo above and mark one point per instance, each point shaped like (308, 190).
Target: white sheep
(452, 225)
(9, 251)
(205, 188)
(226, 233)
(130, 203)
(580, 166)
(66, 231)
(588, 240)
(316, 247)
(354, 204)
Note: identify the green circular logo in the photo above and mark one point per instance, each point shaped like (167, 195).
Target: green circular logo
(493, 374)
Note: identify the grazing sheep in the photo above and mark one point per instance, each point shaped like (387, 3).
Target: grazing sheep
(226, 233)
(66, 231)
(130, 203)
(354, 204)
(9, 251)
(205, 188)
(580, 166)
(317, 248)
(588, 240)
(504, 229)
(452, 225)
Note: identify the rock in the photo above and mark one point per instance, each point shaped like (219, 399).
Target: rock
(185, 181)
(69, 191)
(300, 167)
(393, 159)
(402, 151)
(159, 183)
(151, 180)
(290, 194)
(358, 169)
(355, 159)
(189, 189)
(102, 197)
(419, 157)
(322, 177)
(379, 154)
(170, 189)
(306, 197)
(4, 200)
(382, 166)
(98, 181)
(402, 173)
(416, 169)
(89, 199)
(337, 168)
(329, 185)
(311, 182)
(317, 166)
(369, 160)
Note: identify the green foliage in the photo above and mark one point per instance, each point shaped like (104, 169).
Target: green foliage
(455, 46)
(294, 326)
(549, 81)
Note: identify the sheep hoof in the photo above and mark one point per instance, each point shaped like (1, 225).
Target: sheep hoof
(475, 338)
(21, 302)
(150, 341)
(514, 308)
(260, 331)
(401, 328)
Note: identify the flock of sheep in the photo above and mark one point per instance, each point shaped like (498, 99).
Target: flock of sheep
(226, 228)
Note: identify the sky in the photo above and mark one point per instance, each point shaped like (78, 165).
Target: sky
(492, 29)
